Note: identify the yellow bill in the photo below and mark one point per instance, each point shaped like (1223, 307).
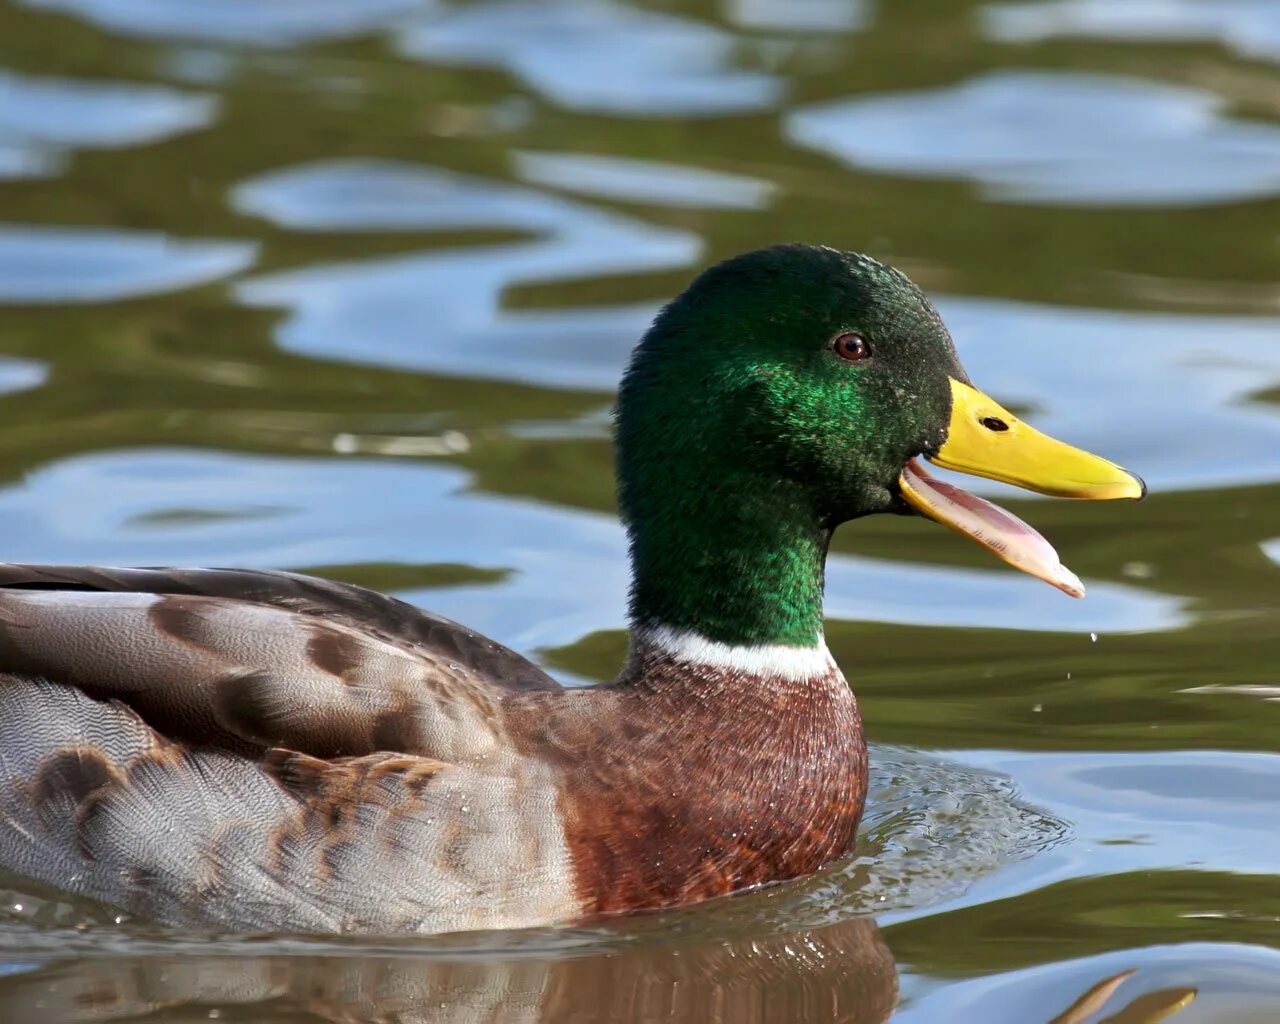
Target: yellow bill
(985, 439)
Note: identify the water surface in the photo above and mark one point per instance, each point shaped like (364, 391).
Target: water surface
(345, 286)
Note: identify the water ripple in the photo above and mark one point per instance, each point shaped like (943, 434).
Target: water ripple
(1037, 137)
(255, 22)
(41, 119)
(800, 15)
(21, 374)
(1154, 810)
(1232, 983)
(599, 56)
(25, 161)
(643, 181)
(454, 297)
(51, 265)
(1250, 27)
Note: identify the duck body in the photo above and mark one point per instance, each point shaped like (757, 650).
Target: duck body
(265, 751)
(257, 751)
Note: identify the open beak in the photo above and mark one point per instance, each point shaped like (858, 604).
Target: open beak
(985, 439)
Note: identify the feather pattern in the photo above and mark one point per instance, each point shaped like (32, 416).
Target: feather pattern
(262, 750)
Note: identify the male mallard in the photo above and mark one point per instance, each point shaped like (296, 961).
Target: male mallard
(260, 750)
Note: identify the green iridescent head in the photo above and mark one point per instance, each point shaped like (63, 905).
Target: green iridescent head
(742, 374)
(787, 391)
(777, 397)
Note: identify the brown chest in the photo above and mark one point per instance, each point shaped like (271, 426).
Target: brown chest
(704, 784)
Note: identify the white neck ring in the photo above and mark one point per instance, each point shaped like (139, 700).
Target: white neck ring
(762, 660)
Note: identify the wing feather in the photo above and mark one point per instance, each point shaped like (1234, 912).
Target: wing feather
(242, 661)
(367, 611)
(264, 751)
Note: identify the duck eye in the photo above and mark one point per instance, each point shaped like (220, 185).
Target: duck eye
(851, 346)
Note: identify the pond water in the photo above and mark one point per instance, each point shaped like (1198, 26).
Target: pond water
(345, 286)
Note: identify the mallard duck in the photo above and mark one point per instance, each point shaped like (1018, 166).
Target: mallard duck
(246, 750)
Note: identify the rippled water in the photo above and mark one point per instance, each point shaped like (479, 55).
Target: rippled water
(345, 285)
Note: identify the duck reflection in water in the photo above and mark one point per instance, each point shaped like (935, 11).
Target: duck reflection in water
(842, 973)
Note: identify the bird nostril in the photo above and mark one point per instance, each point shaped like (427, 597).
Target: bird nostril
(994, 423)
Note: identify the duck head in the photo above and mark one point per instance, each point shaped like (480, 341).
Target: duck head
(797, 387)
